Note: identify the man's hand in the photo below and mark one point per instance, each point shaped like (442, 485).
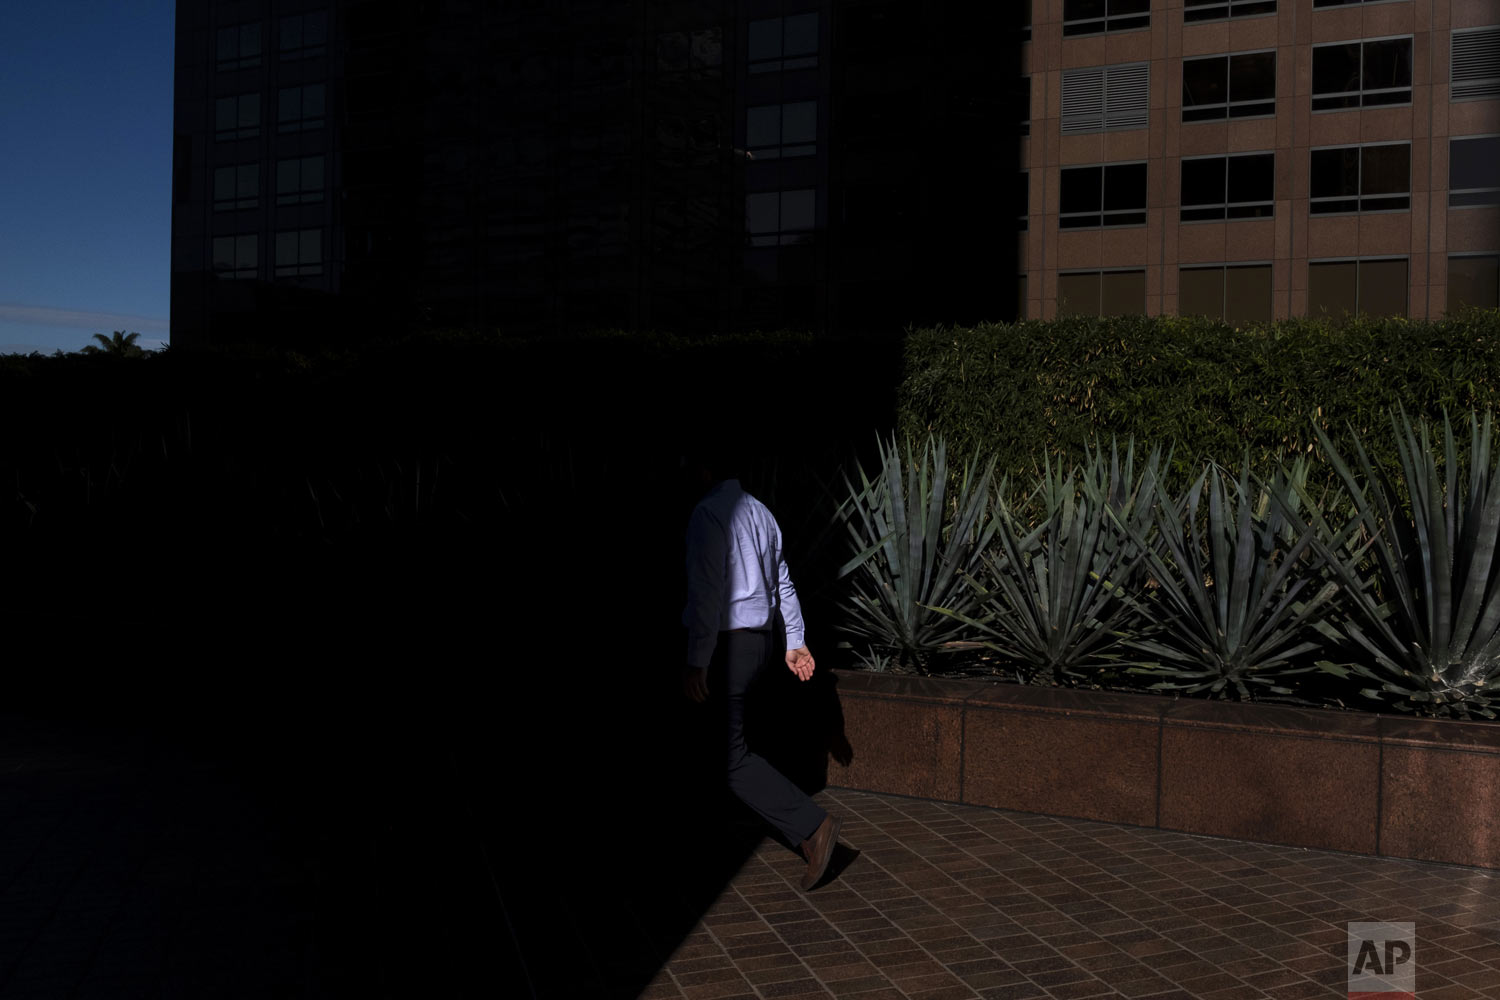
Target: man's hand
(695, 683)
(800, 662)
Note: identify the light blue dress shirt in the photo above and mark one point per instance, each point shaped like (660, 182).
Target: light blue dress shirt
(736, 574)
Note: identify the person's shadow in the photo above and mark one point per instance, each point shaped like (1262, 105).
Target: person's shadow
(797, 726)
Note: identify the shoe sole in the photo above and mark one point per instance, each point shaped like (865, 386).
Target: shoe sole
(809, 881)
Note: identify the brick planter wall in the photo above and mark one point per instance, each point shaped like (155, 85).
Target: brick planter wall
(1347, 781)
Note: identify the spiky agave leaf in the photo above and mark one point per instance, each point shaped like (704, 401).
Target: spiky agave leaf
(905, 560)
(1426, 615)
(1229, 588)
(1051, 600)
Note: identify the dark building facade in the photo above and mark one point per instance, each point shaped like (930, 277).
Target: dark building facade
(528, 166)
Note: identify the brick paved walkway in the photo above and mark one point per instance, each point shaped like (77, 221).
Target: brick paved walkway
(132, 867)
(948, 901)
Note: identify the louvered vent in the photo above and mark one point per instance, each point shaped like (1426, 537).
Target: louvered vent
(1082, 100)
(1476, 63)
(1125, 96)
(1108, 97)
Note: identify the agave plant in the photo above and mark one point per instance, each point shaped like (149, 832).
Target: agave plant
(910, 554)
(1054, 597)
(1229, 582)
(1427, 615)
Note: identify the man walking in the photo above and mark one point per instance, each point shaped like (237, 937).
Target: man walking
(740, 606)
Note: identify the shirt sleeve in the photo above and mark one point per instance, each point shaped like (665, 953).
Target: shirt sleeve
(706, 558)
(791, 608)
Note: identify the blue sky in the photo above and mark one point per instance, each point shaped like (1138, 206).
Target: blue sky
(85, 173)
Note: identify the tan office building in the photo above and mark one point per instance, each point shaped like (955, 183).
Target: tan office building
(1260, 159)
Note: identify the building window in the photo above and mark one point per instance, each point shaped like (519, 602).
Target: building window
(1361, 74)
(235, 256)
(239, 47)
(778, 131)
(1474, 171)
(1215, 10)
(303, 35)
(299, 181)
(299, 253)
(1238, 294)
(236, 187)
(299, 108)
(1473, 280)
(1475, 64)
(1228, 187)
(1023, 201)
(1361, 179)
(1023, 10)
(237, 117)
(778, 43)
(1339, 288)
(1109, 195)
(780, 218)
(1089, 17)
(1101, 293)
(1105, 97)
(1236, 86)
(1021, 95)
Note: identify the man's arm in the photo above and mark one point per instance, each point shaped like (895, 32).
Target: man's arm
(798, 659)
(706, 559)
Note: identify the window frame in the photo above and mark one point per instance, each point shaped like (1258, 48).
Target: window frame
(303, 51)
(1229, 103)
(240, 60)
(1183, 206)
(1223, 269)
(1359, 195)
(781, 150)
(1314, 96)
(1102, 212)
(782, 62)
(239, 271)
(1357, 261)
(1482, 254)
(301, 123)
(780, 236)
(236, 202)
(1101, 272)
(1104, 22)
(1229, 8)
(240, 131)
(302, 268)
(302, 195)
(1493, 191)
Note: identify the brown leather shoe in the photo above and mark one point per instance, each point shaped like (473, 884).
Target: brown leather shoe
(818, 849)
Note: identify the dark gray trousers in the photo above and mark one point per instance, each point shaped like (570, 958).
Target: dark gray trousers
(739, 658)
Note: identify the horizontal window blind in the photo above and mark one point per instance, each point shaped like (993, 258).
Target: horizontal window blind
(1476, 63)
(1107, 97)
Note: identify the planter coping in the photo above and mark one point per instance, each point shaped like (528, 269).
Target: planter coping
(1176, 712)
(1441, 734)
(906, 687)
(1278, 720)
(1070, 701)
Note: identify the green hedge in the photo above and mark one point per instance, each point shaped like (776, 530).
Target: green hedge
(1214, 391)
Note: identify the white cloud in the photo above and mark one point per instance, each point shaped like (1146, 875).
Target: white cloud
(97, 322)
